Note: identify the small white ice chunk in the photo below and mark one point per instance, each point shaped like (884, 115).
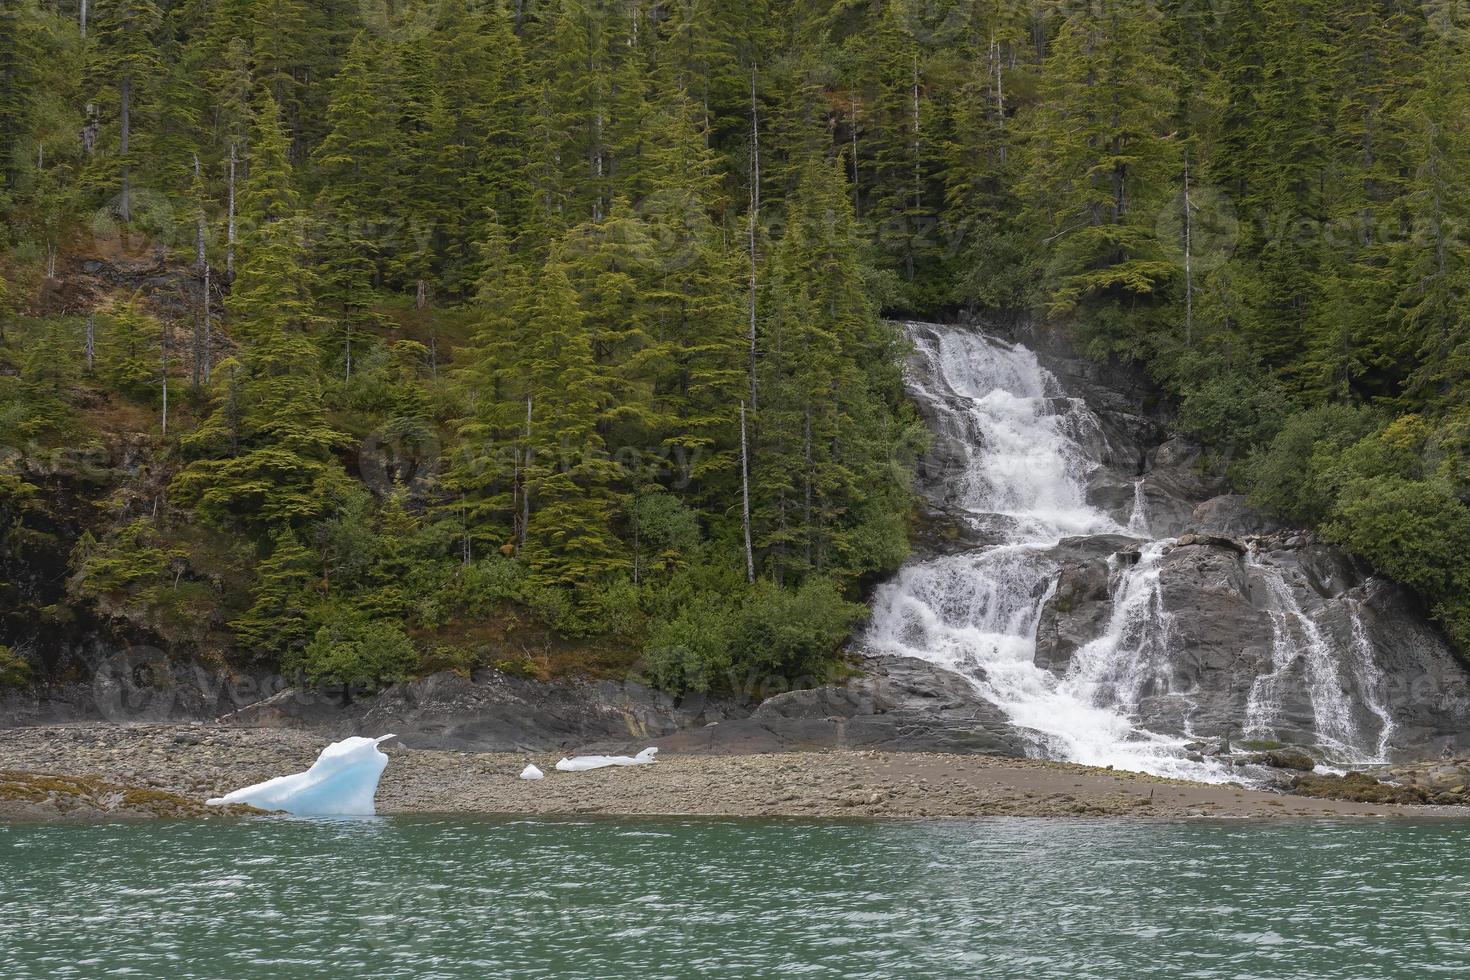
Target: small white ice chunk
(341, 782)
(584, 762)
(531, 772)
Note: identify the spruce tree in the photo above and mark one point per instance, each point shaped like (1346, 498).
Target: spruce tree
(1099, 159)
(488, 473)
(125, 66)
(573, 482)
(263, 458)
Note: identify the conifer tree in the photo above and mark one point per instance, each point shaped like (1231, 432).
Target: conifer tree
(279, 618)
(125, 65)
(1099, 159)
(1427, 323)
(488, 473)
(263, 458)
(820, 452)
(358, 164)
(573, 482)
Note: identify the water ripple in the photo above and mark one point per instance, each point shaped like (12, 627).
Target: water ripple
(455, 897)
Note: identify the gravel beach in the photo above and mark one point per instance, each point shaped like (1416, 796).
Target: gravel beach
(200, 761)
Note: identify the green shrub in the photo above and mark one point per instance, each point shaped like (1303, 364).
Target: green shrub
(1234, 411)
(15, 671)
(1417, 533)
(485, 584)
(1293, 476)
(447, 656)
(666, 531)
(371, 654)
(760, 636)
(794, 633)
(693, 650)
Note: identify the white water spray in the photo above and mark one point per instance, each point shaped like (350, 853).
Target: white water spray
(1371, 682)
(1138, 520)
(1021, 482)
(1298, 649)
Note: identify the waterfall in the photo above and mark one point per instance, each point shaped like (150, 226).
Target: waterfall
(1019, 434)
(1023, 478)
(1017, 472)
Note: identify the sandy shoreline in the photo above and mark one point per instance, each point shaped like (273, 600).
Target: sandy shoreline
(199, 761)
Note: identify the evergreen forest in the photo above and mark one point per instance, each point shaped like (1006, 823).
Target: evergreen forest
(362, 339)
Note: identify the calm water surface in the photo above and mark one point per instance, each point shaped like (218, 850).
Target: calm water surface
(457, 897)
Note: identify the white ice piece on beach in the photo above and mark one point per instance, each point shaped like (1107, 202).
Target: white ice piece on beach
(584, 762)
(341, 782)
(531, 772)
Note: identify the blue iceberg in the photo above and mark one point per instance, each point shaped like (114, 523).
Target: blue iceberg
(340, 783)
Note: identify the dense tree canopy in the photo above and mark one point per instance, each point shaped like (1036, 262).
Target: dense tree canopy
(447, 311)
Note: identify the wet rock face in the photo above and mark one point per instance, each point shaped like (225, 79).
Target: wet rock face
(1206, 620)
(1230, 514)
(1330, 657)
(1077, 611)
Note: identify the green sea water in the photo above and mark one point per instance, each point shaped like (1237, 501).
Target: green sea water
(646, 898)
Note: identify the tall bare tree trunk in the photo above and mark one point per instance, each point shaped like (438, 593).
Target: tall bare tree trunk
(806, 517)
(755, 207)
(1188, 260)
(525, 481)
(230, 223)
(91, 340)
(200, 314)
(163, 373)
(857, 209)
(745, 498)
(82, 18)
(125, 210)
(1000, 95)
(918, 175)
(208, 350)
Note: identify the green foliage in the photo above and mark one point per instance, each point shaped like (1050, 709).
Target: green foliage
(1234, 412)
(282, 609)
(1416, 532)
(135, 556)
(129, 352)
(366, 655)
(35, 373)
(1295, 476)
(15, 670)
(760, 636)
(493, 307)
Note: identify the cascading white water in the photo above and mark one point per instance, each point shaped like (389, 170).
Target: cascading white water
(1022, 458)
(1301, 650)
(977, 613)
(1371, 682)
(1138, 520)
(1298, 646)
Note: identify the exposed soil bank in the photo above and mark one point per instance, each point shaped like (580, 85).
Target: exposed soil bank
(198, 761)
